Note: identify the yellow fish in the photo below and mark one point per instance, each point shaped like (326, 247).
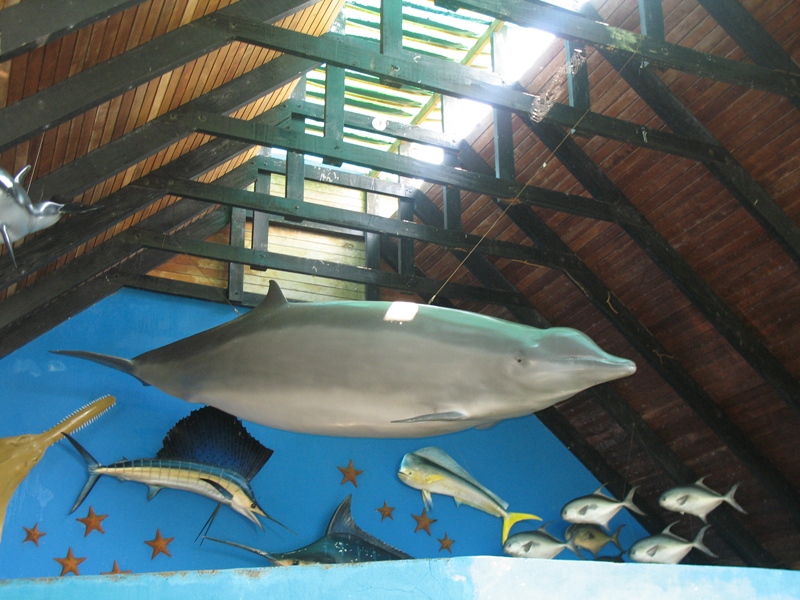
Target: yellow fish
(20, 453)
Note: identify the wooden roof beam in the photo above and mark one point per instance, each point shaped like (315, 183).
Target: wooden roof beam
(568, 25)
(34, 23)
(87, 89)
(651, 349)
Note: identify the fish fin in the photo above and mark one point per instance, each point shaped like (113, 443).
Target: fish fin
(682, 499)
(585, 508)
(223, 492)
(615, 538)
(599, 492)
(434, 478)
(92, 464)
(698, 543)
(274, 300)
(699, 483)
(440, 458)
(77, 208)
(342, 522)
(512, 518)
(207, 525)
(628, 501)
(652, 550)
(152, 490)
(266, 555)
(9, 244)
(211, 436)
(487, 426)
(527, 546)
(452, 415)
(667, 531)
(427, 499)
(23, 173)
(729, 499)
(115, 362)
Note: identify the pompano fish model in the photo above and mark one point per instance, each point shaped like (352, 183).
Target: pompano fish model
(373, 369)
(343, 542)
(597, 508)
(590, 537)
(432, 470)
(667, 548)
(208, 452)
(20, 453)
(697, 499)
(536, 544)
(20, 217)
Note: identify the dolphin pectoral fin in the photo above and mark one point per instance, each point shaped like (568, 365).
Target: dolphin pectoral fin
(23, 173)
(76, 208)
(9, 244)
(452, 415)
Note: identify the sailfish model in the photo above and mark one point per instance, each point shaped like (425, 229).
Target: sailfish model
(20, 453)
(373, 369)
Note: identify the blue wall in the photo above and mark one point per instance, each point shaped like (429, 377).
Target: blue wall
(300, 486)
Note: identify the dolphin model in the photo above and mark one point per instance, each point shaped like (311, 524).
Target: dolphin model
(20, 217)
(372, 369)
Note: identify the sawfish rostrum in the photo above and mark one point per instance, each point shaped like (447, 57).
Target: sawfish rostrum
(373, 369)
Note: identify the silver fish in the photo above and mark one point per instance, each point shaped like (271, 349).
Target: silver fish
(667, 548)
(597, 508)
(19, 216)
(178, 465)
(590, 537)
(432, 470)
(332, 368)
(697, 499)
(536, 544)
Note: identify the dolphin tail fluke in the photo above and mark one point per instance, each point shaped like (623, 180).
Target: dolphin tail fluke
(93, 475)
(729, 499)
(512, 518)
(266, 555)
(115, 362)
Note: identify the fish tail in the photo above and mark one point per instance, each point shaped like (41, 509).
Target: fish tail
(729, 499)
(115, 362)
(628, 502)
(93, 475)
(698, 543)
(511, 518)
(615, 538)
(266, 555)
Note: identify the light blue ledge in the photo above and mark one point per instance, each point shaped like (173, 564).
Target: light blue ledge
(458, 578)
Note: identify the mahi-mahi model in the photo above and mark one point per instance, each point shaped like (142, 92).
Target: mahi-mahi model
(373, 369)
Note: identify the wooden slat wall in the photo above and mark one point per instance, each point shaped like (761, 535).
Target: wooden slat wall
(290, 240)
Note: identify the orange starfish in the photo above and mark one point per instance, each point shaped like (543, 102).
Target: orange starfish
(350, 473)
(69, 564)
(115, 570)
(446, 543)
(33, 535)
(386, 511)
(159, 544)
(424, 521)
(92, 522)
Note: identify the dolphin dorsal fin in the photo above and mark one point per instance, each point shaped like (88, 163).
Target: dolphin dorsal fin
(274, 299)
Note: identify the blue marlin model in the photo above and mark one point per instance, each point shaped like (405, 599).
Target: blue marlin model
(332, 368)
(20, 217)
(343, 542)
(209, 453)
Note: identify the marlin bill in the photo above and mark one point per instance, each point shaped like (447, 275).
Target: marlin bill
(433, 471)
(208, 452)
